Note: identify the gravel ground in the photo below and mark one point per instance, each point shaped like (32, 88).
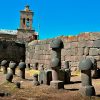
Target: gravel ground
(43, 92)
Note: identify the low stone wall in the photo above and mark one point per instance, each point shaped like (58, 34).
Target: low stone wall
(75, 47)
(10, 50)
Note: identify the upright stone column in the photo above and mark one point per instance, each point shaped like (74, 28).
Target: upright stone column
(56, 46)
(85, 65)
(4, 65)
(35, 80)
(12, 66)
(22, 67)
(65, 73)
(35, 67)
(9, 77)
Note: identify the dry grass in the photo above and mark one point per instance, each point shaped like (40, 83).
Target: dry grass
(42, 92)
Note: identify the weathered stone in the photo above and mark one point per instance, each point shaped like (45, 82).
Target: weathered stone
(22, 67)
(35, 66)
(47, 77)
(57, 43)
(80, 51)
(55, 62)
(67, 45)
(57, 84)
(72, 39)
(65, 75)
(35, 80)
(86, 51)
(74, 51)
(98, 64)
(89, 44)
(12, 66)
(74, 44)
(94, 36)
(96, 43)
(4, 65)
(93, 51)
(9, 77)
(18, 84)
(74, 64)
(85, 66)
(82, 44)
(84, 36)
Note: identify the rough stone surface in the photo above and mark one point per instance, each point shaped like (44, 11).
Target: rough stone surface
(57, 84)
(75, 48)
(9, 77)
(85, 64)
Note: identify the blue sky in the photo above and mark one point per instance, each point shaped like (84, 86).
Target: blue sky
(56, 17)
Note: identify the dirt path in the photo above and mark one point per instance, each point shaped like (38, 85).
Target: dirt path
(43, 92)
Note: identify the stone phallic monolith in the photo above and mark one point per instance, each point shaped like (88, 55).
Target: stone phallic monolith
(41, 74)
(18, 84)
(35, 67)
(47, 78)
(22, 67)
(4, 65)
(35, 80)
(12, 66)
(41, 67)
(94, 69)
(56, 46)
(9, 77)
(28, 66)
(65, 72)
(85, 65)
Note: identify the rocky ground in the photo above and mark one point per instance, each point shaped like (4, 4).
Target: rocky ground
(43, 92)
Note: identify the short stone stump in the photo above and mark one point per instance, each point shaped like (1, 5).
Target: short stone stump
(87, 90)
(57, 84)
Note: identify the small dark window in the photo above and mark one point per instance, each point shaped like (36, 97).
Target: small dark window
(24, 21)
(27, 23)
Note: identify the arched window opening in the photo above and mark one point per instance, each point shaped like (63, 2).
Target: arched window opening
(23, 21)
(27, 23)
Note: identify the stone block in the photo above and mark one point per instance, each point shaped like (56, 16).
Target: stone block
(87, 91)
(64, 75)
(85, 64)
(68, 58)
(63, 52)
(74, 64)
(95, 57)
(74, 51)
(57, 84)
(80, 51)
(84, 36)
(93, 52)
(47, 78)
(62, 58)
(72, 38)
(96, 43)
(82, 44)
(94, 36)
(86, 51)
(98, 64)
(57, 43)
(74, 44)
(68, 52)
(67, 45)
(89, 44)
(74, 58)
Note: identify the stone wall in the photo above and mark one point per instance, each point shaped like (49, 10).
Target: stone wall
(10, 50)
(75, 47)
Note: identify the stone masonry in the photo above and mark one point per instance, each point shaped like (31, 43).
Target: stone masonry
(75, 48)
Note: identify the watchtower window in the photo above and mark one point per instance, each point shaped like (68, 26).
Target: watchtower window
(27, 23)
(24, 21)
